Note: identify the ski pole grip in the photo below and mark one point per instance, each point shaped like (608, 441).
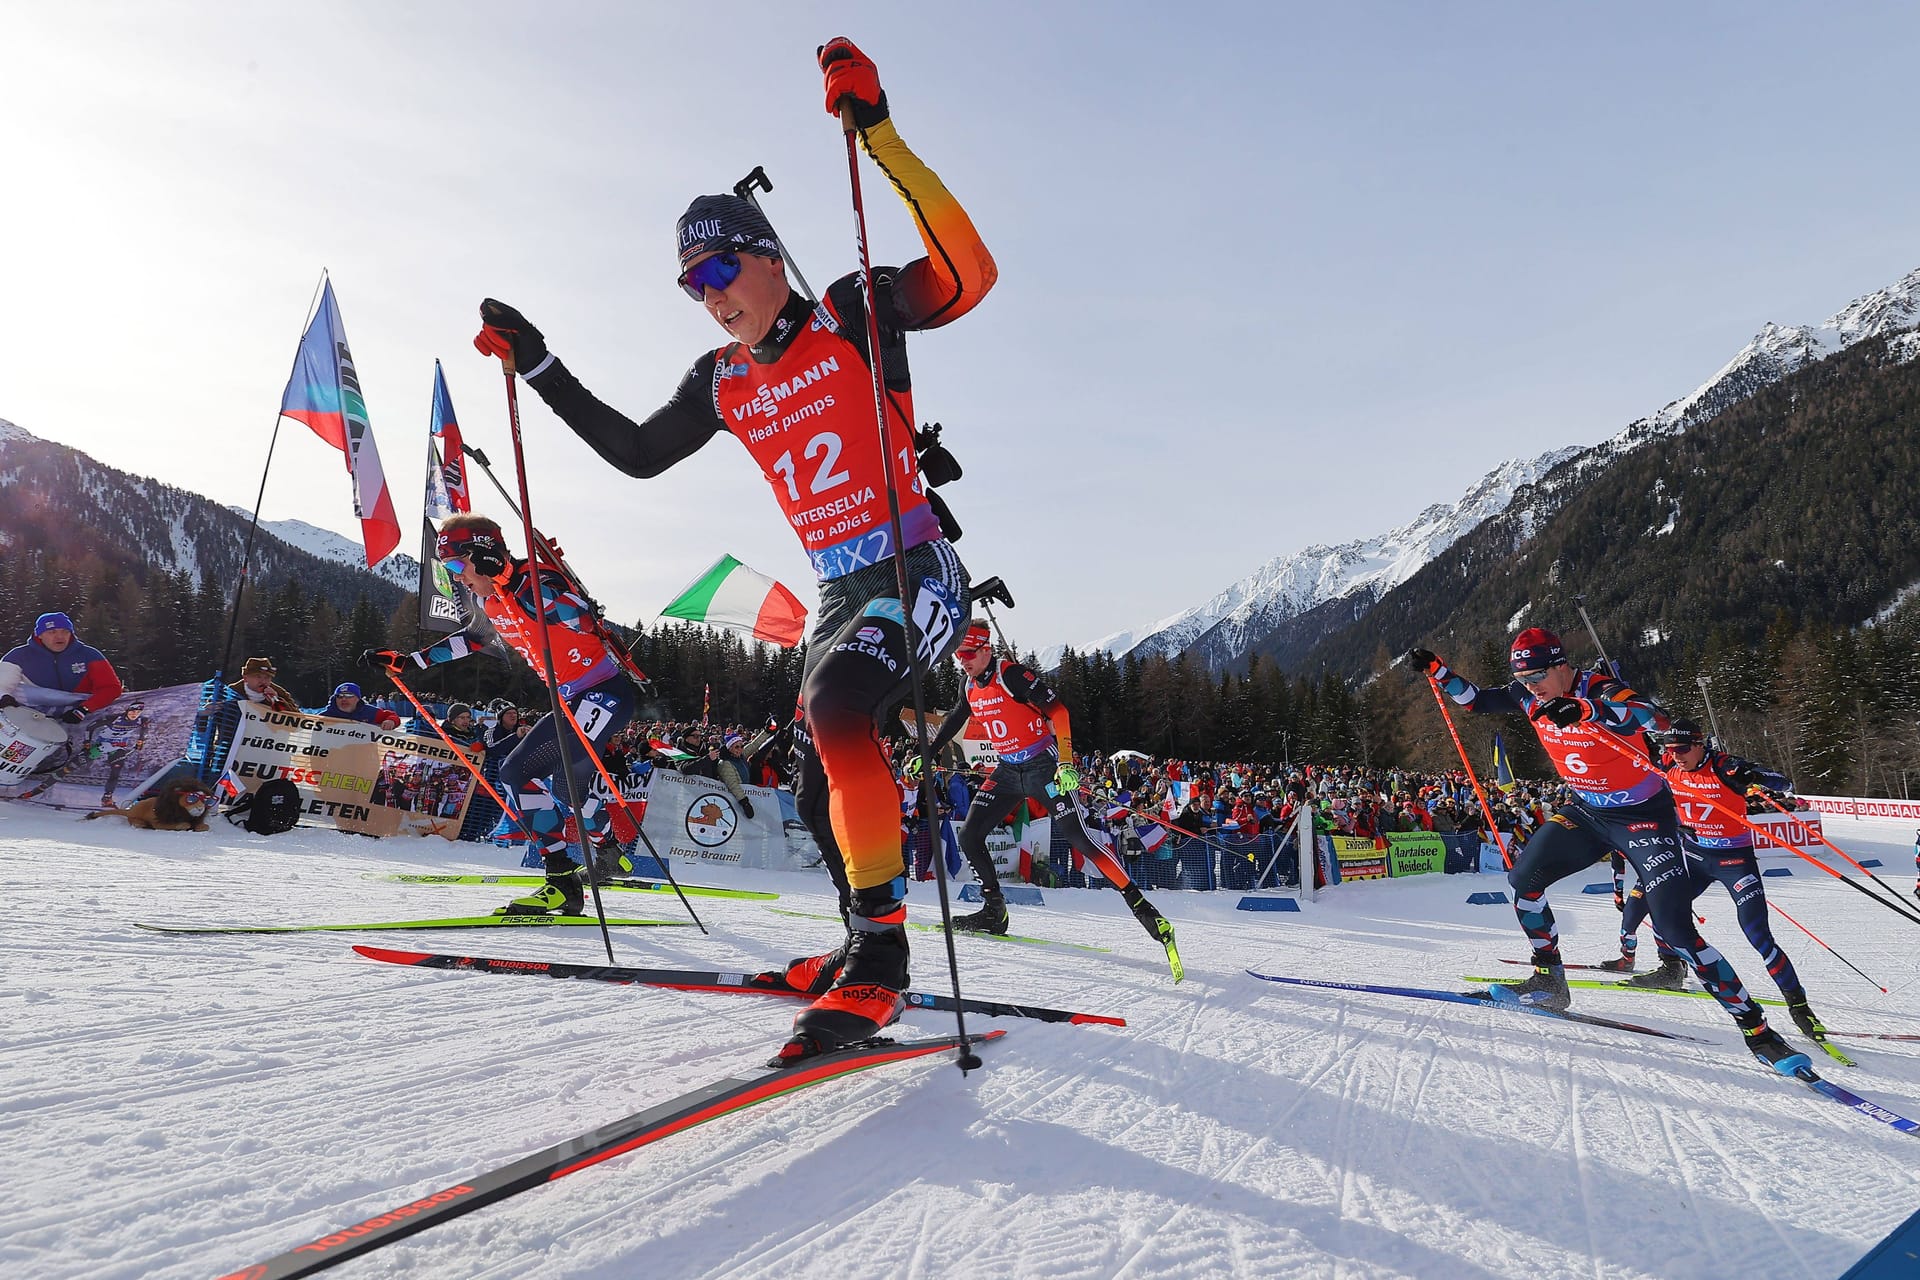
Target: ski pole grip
(506, 362)
(846, 115)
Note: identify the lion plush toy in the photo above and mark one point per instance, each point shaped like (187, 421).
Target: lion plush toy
(182, 805)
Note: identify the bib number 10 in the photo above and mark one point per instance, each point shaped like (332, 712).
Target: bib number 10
(826, 447)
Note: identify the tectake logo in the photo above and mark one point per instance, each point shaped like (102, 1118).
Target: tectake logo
(872, 635)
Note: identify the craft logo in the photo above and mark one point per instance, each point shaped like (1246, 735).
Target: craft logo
(711, 819)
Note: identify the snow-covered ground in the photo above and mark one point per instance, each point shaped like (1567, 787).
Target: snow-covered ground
(182, 1106)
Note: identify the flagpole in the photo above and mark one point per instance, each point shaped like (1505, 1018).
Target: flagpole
(246, 555)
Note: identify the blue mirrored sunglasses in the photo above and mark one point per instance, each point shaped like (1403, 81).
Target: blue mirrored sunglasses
(717, 272)
(455, 564)
(1534, 677)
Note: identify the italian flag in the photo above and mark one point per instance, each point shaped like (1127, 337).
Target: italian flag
(734, 596)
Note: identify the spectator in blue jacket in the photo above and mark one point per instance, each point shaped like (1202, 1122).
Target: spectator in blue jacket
(347, 704)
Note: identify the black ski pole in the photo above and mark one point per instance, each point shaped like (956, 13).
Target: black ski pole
(1613, 668)
(562, 714)
(967, 1058)
(984, 594)
(745, 188)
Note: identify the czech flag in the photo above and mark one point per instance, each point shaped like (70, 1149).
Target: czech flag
(324, 393)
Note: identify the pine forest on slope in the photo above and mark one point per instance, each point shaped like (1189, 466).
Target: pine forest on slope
(1286, 609)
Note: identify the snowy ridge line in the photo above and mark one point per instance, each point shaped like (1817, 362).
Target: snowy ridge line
(1290, 585)
(696, 1106)
(1227, 626)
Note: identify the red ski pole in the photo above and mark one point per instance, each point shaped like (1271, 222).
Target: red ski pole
(1740, 817)
(479, 777)
(1775, 908)
(1485, 808)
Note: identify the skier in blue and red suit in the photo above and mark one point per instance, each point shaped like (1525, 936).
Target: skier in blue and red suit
(55, 660)
(598, 691)
(1622, 804)
(1710, 787)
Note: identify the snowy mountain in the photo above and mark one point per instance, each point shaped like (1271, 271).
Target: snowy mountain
(59, 500)
(1775, 352)
(1244, 617)
(1226, 627)
(399, 568)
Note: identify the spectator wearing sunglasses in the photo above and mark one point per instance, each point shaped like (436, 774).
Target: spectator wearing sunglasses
(793, 384)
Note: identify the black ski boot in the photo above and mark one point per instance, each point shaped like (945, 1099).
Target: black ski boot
(1765, 1044)
(870, 993)
(1670, 976)
(1158, 927)
(1546, 989)
(562, 895)
(1803, 1018)
(1623, 965)
(610, 861)
(990, 918)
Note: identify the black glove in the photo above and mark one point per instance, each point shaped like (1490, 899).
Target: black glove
(1563, 711)
(1424, 661)
(8, 700)
(72, 715)
(387, 660)
(508, 334)
(746, 806)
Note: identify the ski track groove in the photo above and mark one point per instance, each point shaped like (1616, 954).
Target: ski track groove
(1304, 1087)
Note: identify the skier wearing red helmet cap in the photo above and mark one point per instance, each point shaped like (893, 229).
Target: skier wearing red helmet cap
(1622, 804)
(1032, 737)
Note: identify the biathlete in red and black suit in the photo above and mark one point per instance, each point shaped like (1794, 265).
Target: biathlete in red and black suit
(590, 678)
(1709, 787)
(1032, 736)
(1623, 804)
(794, 387)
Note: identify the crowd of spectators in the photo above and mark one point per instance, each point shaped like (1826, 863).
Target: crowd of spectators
(1247, 797)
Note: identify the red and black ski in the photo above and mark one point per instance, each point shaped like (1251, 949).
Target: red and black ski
(696, 1106)
(701, 980)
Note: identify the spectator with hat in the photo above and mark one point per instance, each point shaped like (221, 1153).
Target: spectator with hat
(256, 685)
(731, 770)
(347, 704)
(51, 668)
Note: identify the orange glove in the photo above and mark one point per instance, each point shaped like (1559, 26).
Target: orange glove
(851, 74)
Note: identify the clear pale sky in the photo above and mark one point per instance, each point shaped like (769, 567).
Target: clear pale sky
(1271, 274)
